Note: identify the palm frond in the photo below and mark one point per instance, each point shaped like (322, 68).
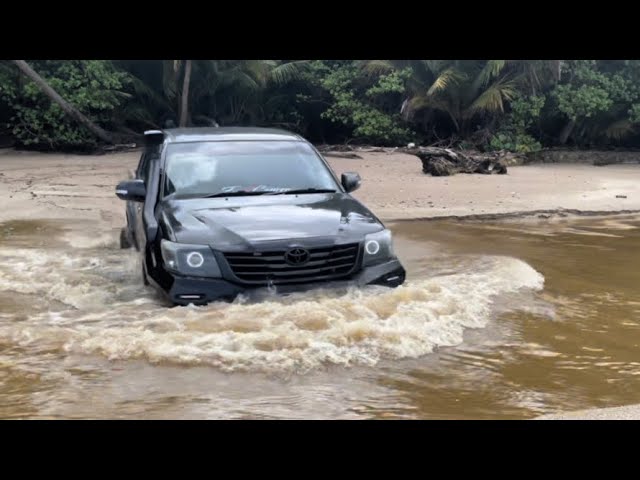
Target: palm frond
(492, 99)
(447, 78)
(377, 67)
(239, 78)
(286, 72)
(143, 91)
(258, 70)
(120, 94)
(420, 102)
(491, 70)
(434, 67)
(432, 103)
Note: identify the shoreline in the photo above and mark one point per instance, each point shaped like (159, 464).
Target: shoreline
(74, 188)
(48, 185)
(520, 215)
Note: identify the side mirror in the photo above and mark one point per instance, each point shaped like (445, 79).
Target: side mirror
(350, 181)
(133, 190)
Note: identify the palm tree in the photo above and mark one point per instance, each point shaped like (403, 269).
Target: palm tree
(227, 90)
(460, 89)
(463, 89)
(427, 85)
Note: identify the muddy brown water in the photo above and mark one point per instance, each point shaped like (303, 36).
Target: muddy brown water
(497, 320)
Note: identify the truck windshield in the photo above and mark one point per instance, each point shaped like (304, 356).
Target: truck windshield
(202, 169)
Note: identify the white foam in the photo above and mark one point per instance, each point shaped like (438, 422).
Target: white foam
(295, 333)
(101, 240)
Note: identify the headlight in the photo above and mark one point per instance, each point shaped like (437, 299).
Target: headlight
(378, 247)
(189, 260)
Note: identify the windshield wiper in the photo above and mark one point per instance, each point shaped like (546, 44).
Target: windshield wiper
(304, 190)
(241, 193)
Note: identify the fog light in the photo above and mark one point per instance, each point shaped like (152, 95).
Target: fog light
(190, 297)
(195, 259)
(372, 247)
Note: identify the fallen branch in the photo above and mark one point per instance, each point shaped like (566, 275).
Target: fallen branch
(437, 161)
(441, 162)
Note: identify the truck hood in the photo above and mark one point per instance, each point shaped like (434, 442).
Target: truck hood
(238, 223)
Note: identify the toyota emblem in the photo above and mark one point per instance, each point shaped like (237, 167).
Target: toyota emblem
(297, 256)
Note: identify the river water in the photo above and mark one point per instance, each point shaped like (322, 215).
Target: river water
(508, 319)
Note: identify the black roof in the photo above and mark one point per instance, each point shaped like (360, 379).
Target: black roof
(221, 134)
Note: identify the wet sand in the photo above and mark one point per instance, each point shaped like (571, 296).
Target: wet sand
(630, 412)
(34, 185)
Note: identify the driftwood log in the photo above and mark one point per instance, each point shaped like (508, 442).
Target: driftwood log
(436, 161)
(441, 162)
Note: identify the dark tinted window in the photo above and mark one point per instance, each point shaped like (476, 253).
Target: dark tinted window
(212, 167)
(141, 164)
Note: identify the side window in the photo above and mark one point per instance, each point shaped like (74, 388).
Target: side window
(144, 168)
(141, 165)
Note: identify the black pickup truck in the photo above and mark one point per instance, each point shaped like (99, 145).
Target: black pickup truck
(218, 211)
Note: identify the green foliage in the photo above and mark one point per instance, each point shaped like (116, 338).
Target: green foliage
(513, 133)
(582, 101)
(394, 82)
(94, 87)
(634, 113)
(359, 105)
(599, 96)
(526, 110)
(515, 142)
(517, 105)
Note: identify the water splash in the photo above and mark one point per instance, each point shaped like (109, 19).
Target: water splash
(104, 311)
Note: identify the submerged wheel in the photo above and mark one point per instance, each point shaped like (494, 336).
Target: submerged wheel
(124, 239)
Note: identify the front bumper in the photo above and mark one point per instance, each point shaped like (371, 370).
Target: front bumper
(198, 291)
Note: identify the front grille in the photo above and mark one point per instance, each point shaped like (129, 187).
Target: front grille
(324, 263)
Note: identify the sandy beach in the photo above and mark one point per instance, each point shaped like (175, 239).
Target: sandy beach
(35, 185)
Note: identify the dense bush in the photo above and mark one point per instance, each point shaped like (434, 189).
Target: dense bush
(364, 105)
(515, 132)
(488, 104)
(92, 86)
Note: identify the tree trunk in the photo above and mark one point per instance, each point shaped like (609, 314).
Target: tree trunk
(532, 81)
(453, 119)
(66, 106)
(566, 132)
(184, 108)
(558, 70)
